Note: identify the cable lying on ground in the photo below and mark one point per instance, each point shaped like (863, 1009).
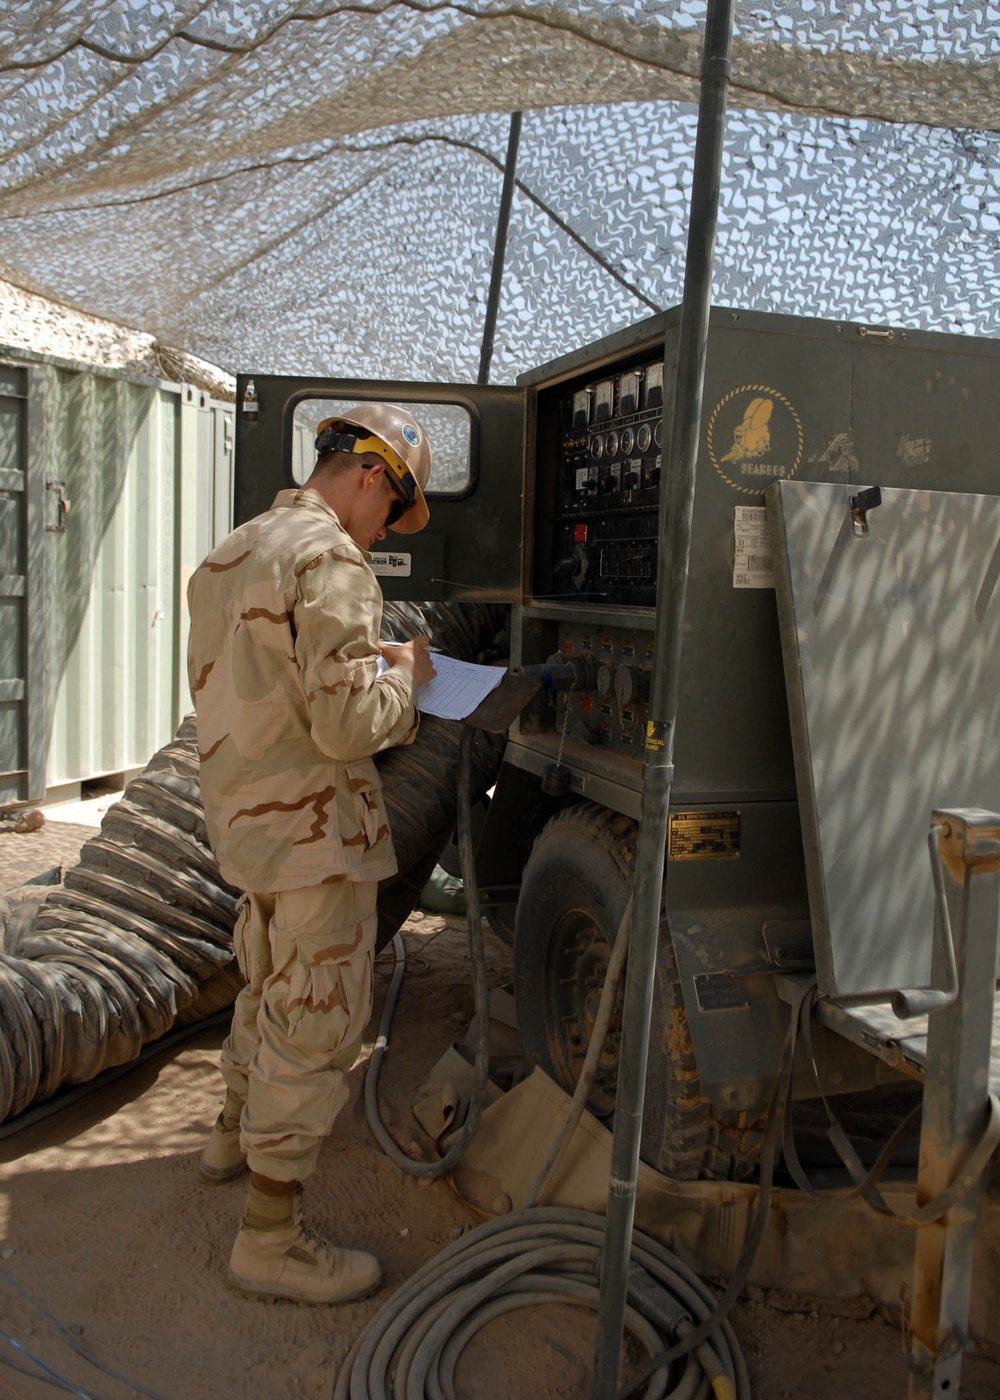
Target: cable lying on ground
(543, 1255)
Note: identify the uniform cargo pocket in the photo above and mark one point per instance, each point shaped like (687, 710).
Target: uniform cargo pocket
(329, 1001)
(329, 971)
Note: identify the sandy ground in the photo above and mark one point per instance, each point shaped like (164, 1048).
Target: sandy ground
(106, 1225)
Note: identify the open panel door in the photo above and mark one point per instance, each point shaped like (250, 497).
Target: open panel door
(472, 546)
(890, 628)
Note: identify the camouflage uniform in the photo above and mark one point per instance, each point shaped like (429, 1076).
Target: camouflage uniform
(282, 662)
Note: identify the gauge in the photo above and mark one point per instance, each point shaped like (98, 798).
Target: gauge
(628, 392)
(658, 432)
(632, 685)
(644, 437)
(654, 385)
(581, 408)
(604, 399)
(611, 444)
(597, 447)
(628, 438)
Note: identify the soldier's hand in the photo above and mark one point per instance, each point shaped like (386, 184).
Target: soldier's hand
(415, 656)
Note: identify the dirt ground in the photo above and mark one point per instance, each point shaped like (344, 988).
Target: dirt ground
(105, 1223)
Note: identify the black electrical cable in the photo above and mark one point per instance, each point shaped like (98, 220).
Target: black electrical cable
(481, 994)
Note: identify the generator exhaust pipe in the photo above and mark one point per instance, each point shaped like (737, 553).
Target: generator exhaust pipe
(676, 511)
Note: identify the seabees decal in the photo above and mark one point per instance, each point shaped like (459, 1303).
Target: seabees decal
(754, 438)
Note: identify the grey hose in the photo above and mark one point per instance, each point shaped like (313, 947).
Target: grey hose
(481, 995)
(547, 1254)
(595, 1049)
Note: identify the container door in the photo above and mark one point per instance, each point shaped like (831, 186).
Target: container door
(472, 546)
(22, 638)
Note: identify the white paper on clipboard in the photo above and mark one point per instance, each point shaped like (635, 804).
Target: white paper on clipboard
(457, 689)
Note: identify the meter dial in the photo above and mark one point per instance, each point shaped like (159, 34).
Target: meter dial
(611, 444)
(632, 684)
(658, 432)
(597, 447)
(654, 385)
(628, 392)
(628, 438)
(644, 437)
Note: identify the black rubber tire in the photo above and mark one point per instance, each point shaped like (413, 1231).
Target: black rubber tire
(576, 884)
(500, 918)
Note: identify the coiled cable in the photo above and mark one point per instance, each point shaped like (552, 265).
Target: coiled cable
(547, 1254)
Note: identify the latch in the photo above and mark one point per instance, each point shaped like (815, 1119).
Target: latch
(64, 503)
(861, 504)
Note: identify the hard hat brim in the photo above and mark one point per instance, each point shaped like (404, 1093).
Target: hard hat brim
(415, 517)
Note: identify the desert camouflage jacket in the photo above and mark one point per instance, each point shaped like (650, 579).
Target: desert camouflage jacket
(282, 663)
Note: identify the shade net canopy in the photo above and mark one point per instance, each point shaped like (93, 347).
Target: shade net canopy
(313, 187)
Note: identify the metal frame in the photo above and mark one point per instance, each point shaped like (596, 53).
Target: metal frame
(956, 1100)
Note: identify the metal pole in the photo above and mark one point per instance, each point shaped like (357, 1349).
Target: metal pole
(676, 510)
(499, 249)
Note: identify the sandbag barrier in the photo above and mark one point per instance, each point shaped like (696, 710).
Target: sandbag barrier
(137, 939)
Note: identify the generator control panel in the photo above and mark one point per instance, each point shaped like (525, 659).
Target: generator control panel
(607, 489)
(785, 398)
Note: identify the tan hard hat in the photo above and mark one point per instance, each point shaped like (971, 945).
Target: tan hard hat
(399, 439)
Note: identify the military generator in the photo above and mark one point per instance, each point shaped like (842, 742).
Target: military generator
(841, 553)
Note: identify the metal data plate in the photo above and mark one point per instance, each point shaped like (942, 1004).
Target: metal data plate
(891, 646)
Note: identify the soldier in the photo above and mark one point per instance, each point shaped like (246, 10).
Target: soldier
(283, 664)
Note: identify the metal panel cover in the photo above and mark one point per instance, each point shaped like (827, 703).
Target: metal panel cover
(891, 644)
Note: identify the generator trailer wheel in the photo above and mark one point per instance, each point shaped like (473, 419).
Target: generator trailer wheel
(576, 884)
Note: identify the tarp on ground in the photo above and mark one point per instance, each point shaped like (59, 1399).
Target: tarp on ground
(312, 185)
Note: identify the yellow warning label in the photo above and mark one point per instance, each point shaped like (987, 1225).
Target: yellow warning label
(655, 735)
(704, 836)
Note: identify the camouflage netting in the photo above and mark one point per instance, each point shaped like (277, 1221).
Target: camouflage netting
(138, 937)
(312, 187)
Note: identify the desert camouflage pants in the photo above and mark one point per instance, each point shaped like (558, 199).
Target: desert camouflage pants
(297, 1024)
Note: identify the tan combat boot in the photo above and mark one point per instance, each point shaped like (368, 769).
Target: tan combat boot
(223, 1157)
(276, 1256)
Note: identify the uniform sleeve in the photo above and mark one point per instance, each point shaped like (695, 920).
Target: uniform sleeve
(354, 712)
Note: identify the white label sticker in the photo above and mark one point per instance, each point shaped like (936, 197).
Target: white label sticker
(753, 566)
(384, 562)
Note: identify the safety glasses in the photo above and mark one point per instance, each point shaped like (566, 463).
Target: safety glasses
(400, 505)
